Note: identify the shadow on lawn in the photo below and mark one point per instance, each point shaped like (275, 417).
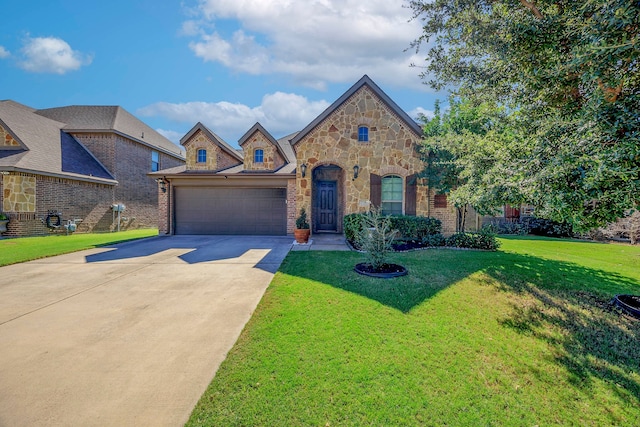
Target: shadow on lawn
(564, 304)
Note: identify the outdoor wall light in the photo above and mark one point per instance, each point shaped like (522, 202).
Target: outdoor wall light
(356, 171)
(303, 169)
(163, 184)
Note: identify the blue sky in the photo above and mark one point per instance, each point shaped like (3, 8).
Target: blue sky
(227, 63)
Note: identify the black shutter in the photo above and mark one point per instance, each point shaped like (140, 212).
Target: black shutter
(410, 192)
(375, 185)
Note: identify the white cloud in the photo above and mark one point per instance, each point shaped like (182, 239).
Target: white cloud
(280, 113)
(51, 55)
(417, 112)
(315, 41)
(4, 53)
(171, 135)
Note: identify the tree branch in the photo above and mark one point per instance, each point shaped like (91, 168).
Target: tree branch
(532, 7)
(611, 94)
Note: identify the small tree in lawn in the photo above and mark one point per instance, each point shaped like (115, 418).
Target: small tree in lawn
(376, 238)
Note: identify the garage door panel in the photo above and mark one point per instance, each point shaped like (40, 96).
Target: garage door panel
(209, 210)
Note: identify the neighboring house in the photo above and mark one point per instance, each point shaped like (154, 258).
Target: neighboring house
(361, 151)
(79, 161)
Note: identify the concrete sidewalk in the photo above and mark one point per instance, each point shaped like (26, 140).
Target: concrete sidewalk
(129, 335)
(323, 242)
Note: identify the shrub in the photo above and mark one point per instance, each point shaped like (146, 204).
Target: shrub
(415, 227)
(547, 227)
(485, 239)
(408, 227)
(434, 240)
(376, 238)
(301, 222)
(352, 225)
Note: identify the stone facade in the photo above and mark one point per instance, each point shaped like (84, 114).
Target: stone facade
(217, 158)
(272, 158)
(390, 150)
(6, 140)
(19, 193)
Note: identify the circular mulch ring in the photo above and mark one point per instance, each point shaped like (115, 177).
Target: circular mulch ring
(629, 303)
(387, 271)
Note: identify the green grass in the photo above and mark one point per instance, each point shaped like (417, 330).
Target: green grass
(523, 336)
(24, 249)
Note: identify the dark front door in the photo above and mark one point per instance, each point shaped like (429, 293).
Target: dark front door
(326, 206)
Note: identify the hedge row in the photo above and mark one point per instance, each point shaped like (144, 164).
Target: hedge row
(409, 227)
(426, 230)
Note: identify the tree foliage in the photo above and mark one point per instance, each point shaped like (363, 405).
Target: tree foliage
(570, 72)
(464, 150)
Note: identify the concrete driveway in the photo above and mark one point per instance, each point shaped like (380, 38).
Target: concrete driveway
(126, 335)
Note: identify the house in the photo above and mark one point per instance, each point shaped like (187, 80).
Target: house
(79, 161)
(361, 151)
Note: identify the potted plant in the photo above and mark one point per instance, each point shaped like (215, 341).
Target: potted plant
(4, 220)
(302, 232)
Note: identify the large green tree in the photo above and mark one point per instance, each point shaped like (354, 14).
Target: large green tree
(464, 149)
(571, 72)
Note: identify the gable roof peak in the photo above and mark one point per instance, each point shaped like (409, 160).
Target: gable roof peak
(257, 128)
(365, 80)
(213, 137)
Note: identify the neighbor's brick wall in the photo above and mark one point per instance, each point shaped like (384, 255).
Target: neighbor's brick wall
(272, 158)
(130, 162)
(88, 202)
(390, 151)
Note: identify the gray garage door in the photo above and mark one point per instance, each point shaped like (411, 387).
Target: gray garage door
(204, 210)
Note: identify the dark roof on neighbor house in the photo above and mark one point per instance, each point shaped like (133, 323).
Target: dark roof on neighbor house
(364, 81)
(212, 136)
(45, 149)
(96, 118)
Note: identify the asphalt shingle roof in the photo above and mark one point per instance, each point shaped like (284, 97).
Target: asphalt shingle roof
(45, 148)
(89, 118)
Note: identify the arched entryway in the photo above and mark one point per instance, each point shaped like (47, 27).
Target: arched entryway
(327, 199)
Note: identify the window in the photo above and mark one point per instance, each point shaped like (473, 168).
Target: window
(363, 134)
(202, 156)
(258, 156)
(155, 161)
(440, 201)
(392, 195)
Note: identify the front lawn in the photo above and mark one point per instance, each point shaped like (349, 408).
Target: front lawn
(29, 248)
(522, 336)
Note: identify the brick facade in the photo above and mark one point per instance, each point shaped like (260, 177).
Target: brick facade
(88, 202)
(130, 162)
(127, 160)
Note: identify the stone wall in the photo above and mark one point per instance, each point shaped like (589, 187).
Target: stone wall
(272, 158)
(6, 140)
(389, 151)
(217, 158)
(19, 193)
(200, 141)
